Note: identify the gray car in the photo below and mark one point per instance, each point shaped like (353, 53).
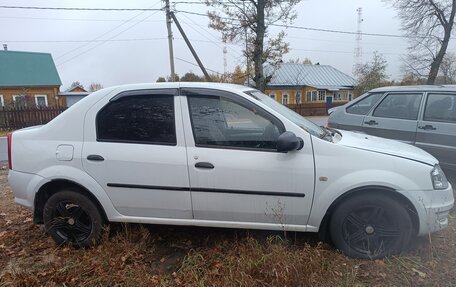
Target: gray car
(424, 116)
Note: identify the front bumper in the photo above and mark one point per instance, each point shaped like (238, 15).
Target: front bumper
(433, 208)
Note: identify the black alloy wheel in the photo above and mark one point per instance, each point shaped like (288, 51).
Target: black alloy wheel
(71, 218)
(370, 226)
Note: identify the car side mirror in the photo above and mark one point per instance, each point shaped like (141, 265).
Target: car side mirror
(288, 141)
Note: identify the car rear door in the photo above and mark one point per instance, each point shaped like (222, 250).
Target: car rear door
(134, 148)
(236, 174)
(436, 131)
(395, 117)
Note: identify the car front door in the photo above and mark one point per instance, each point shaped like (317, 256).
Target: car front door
(236, 173)
(436, 131)
(134, 148)
(351, 118)
(395, 117)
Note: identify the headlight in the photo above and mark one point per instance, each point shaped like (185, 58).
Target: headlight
(438, 178)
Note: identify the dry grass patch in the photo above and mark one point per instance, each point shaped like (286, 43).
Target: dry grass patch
(275, 262)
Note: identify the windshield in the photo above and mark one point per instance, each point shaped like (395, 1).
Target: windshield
(296, 118)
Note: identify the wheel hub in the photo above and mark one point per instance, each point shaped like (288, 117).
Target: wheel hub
(71, 221)
(369, 229)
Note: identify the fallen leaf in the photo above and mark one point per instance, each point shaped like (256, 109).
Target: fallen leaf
(420, 273)
(380, 262)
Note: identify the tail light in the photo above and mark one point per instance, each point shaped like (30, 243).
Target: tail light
(10, 141)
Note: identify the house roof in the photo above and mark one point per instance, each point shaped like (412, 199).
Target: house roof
(27, 69)
(77, 88)
(318, 76)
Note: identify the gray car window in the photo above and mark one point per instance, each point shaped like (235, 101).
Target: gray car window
(363, 106)
(399, 106)
(220, 122)
(440, 108)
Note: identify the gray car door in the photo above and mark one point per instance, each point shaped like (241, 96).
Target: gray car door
(395, 117)
(351, 117)
(436, 131)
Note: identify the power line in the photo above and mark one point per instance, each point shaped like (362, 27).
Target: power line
(101, 43)
(191, 63)
(106, 33)
(217, 39)
(74, 19)
(338, 52)
(317, 29)
(79, 9)
(205, 15)
(84, 41)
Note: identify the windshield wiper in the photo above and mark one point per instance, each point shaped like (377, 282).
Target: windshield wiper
(328, 133)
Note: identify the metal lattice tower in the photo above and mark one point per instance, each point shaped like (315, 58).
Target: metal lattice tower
(225, 51)
(358, 55)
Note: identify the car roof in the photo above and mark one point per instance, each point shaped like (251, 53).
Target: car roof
(176, 85)
(418, 88)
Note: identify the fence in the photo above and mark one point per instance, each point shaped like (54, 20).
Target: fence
(17, 117)
(313, 109)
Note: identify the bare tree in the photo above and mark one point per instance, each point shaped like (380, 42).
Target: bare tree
(253, 17)
(448, 69)
(75, 84)
(372, 74)
(428, 24)
(306, 61)
(95, 87)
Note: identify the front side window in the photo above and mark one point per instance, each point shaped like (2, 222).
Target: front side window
(440, 108)
(363, 106)
(399, 106)
(221, 122)
(296, 118)
(138, 119)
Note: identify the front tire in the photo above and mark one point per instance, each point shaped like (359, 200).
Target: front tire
(370, 226)
(72, 218)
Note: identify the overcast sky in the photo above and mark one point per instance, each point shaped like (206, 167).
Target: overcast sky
(137, 51)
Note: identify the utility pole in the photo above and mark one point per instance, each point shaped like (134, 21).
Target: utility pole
(246, 49)
(200, 64)
(170, 41)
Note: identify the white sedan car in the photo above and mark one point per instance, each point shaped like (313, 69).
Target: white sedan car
(225, 156)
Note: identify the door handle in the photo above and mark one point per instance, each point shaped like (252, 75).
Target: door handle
(205, 165)
(427, 127)
(95, 157)
(371, 123)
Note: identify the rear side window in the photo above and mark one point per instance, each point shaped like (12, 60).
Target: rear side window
(138, 119)
(365, 105)
(440, 108)
(399, 106)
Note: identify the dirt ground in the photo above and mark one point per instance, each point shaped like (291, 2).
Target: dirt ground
(147, 255)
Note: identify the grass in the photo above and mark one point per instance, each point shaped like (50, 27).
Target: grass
(148, 255)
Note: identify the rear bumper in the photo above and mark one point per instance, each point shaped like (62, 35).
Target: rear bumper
(24, 187)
